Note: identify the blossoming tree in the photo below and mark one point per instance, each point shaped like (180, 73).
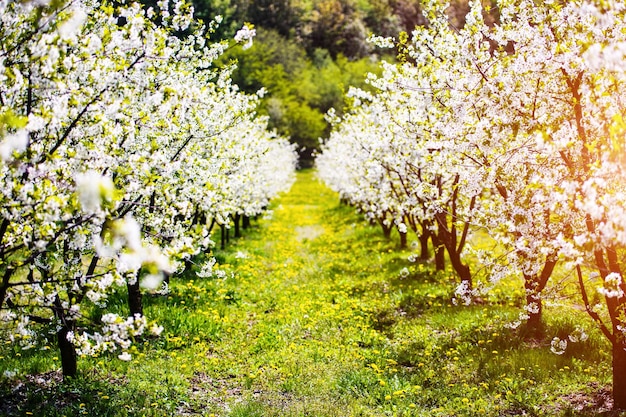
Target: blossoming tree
(527, 118)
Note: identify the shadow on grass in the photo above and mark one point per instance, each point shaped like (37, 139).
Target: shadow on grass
(48, 395)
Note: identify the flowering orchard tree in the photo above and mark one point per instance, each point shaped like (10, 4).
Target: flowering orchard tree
(423, 119)
(223, 152)
(368, 185)
(118, 142)
(54, 208)
(558, 108)
(495, 159)
(580, 109)
(524, 120)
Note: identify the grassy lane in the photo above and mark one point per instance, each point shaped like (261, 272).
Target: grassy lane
(314, 313)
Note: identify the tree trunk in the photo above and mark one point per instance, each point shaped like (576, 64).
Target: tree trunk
(188, 264)
(424, 253)
(237, 229)
(440, 259)
(440, 253)
(454, 249)
(386, 230)
(403, 238)
(245, 223)
(619, 374)
(464, 273)
(223, 237)
(534, 285)
(66, 348)
(135, 303)
(68, 352)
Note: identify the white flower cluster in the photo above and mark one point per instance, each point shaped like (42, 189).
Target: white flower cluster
(613, 284)
(382, 42)
(558, 346)
(117, 333)
(245, 34)
(207, 269)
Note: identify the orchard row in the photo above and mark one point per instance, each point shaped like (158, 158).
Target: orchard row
(513, 130)
(122, 146)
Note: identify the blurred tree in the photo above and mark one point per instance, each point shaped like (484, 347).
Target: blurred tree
(232, 12)
(300, 90)
(270, 63)
(409, 13)
(283, 16)
(337, 26)
(382, 19)
(305, 125)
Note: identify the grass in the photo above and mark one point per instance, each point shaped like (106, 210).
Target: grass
(315, 315)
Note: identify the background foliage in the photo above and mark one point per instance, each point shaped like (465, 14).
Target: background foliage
(307, 54)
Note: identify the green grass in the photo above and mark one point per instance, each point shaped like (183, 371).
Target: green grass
(314, 318)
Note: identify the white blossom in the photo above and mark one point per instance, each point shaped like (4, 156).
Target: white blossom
(245, 34)
(558, 346)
